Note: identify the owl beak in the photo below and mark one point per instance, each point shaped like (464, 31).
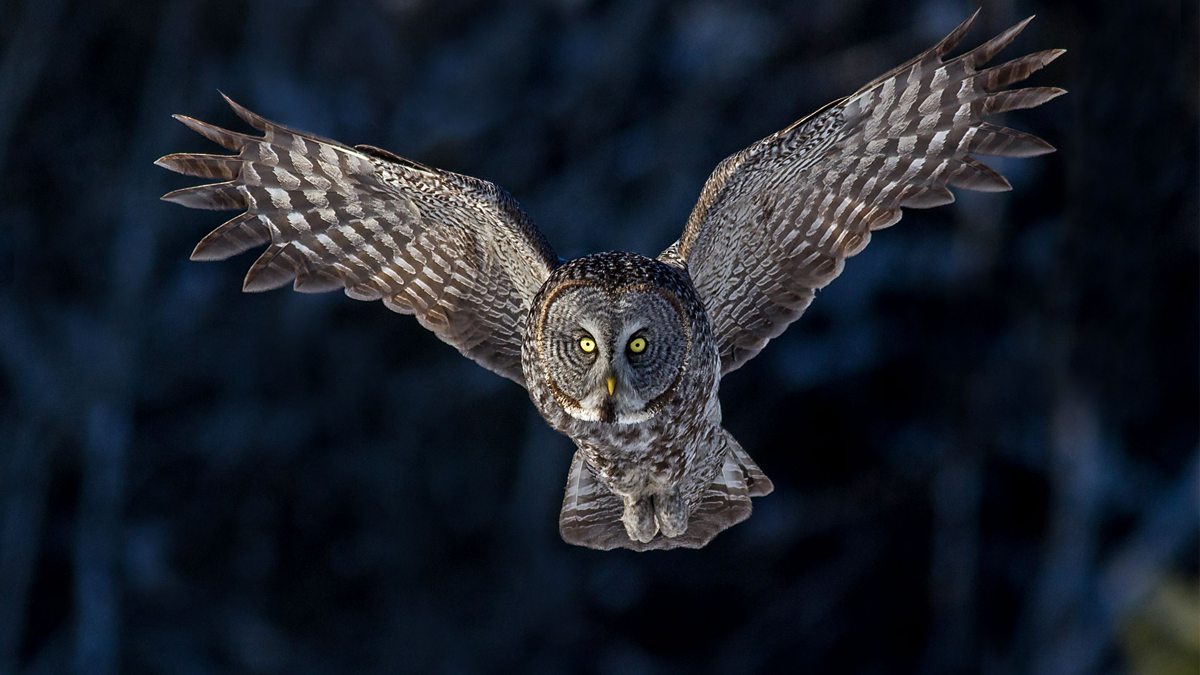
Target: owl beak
(611, 382)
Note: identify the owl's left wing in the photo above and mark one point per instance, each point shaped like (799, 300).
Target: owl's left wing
(776, 221)
(455, 251)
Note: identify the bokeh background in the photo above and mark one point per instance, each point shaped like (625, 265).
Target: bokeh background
(983, 436)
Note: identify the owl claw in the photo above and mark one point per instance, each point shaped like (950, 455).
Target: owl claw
(671, 513)
(639, 519)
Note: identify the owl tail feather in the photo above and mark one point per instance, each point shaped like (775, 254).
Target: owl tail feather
(591, 513)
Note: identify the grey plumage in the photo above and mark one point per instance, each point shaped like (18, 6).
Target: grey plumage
(622, 353)
(776, 221)
(455, 251)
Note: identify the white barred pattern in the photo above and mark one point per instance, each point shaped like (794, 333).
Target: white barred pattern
(757, 257)
(460, 253)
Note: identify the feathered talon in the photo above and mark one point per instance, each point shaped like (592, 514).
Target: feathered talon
(671, 513)
(639, 519)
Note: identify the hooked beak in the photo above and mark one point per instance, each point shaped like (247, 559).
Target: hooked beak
(611, 382)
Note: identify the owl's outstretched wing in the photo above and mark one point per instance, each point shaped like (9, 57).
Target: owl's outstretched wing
(455, 251)
(776, 221)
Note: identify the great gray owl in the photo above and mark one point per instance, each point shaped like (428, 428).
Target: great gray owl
(620, 352)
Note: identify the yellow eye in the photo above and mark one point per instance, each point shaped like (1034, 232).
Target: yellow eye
(637, 345)
(587, 344)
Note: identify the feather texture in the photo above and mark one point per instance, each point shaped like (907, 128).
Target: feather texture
(591, 513)
(455, 251)
(776, 221)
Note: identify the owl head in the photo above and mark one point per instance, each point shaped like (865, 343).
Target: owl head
(611, 340)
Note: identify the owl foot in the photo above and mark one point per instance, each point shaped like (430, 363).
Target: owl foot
(671, 513)
(639, 519)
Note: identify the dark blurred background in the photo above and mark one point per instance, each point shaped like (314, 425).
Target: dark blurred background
(983, 436)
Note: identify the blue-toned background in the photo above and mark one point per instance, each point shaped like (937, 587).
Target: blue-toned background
(983, 436)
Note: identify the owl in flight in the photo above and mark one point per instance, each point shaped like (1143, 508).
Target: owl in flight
(622, 353)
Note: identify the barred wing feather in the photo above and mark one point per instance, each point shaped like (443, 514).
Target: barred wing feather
(455, 251)
(776, 221)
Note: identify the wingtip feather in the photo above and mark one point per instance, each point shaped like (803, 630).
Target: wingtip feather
(230, 140)
(273, 269)
(1020, 99)
(211, 196)
(198, 255)
(1045, 149)
(249, 117)
(220, 167)
(236, 235)
(988, 50)
(946, 44)
(261, 283)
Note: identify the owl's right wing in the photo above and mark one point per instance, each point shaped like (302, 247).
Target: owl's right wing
(776, 221)
(455, 251)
